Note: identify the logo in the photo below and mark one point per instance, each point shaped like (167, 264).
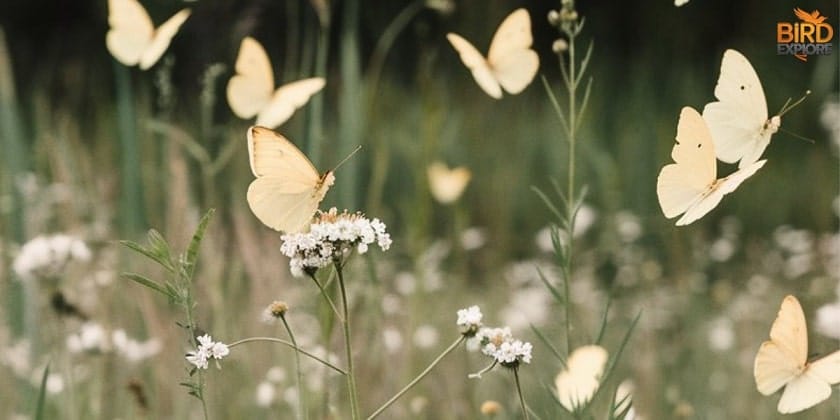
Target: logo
(810, 36)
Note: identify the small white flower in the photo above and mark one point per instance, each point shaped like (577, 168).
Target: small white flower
(332, 236)
(134, 350)
(265, 394)
(828, 320)
(55, 383)
(206, 350)
(679, 3)
(90, 338)
(46, 256)
(425, 336)
(499, 344)
(469, 320)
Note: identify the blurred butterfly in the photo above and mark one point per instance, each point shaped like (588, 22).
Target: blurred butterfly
(510, 64)
(577, 384)
(690, 185)
(738, 120)
(782, 361)
(446, 184)
(288, 188)
(251, 91)
(133, 38)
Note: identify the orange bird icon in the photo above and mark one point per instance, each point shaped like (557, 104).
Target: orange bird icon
(813, 17)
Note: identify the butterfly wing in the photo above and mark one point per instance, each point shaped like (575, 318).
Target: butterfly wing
(162, 37)
(738, 118)
(827, 368)
(681, 185)
(477, 64)
(288, 188)
(447, 184)
(782, 359)
(802, 392)
(511, 59)
(131, 31)
(580, 380)
(287, 99)
(710, 199)
(250, 89)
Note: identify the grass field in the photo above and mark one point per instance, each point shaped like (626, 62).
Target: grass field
(96, 153)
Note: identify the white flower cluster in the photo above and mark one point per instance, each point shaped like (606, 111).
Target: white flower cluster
(207, 349)
(46, 256)
(93, 338)
(499, 344)
(331, 236)
(469, 320)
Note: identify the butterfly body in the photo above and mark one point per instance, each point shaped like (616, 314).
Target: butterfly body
(288, 188)
(511, 64)
(251, 91)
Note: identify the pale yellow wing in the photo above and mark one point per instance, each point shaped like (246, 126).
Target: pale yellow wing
(803, 392)
(681, 185)
(577, 384)
(288, 188)
(162, 37)
(131, 31)
(511, 59)
(790, 332)
(773, 368)
(446, 184)
(251, 88)
(287, 99)
(827, 368)
(477, 64)
(711, 198)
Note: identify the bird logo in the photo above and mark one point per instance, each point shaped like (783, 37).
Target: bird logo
(813, 17)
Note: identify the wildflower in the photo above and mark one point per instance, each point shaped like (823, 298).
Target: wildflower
(577, 384)
(473, 238)
(207, 349)
(332, 236)
(276, 309)
(444, 7)
(425, 336)
(499, 344)
(392, 339)
(265, 394)
(447, 185)
(55, 383)
(559, 45)
(134, 350)
(490, 408)
(46, 256)
(679, 3)
(90, 338)
(469, 320)
(828, 320)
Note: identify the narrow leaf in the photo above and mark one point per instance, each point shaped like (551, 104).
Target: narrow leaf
(195, 243)
(150, 254)
(42, 395)
(151, 284)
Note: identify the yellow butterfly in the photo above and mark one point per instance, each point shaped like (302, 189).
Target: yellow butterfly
(251, 91)
(446, 184)
(510, 64)
(133, 38)
(288, 188)
(782, 361)
(690, 185)
(577, 384)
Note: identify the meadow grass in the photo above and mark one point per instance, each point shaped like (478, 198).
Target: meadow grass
(686, 308)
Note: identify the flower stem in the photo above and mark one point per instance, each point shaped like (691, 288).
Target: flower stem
(416, 379)
(302, 413)
(327, 297)
(345, 323)
(282, 341)
(519, 392)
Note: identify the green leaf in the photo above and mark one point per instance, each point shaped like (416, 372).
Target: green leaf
(603, 327)
(151, 254)
(42, 394)
(554, 292)
(151, 284)
(551, 207)
(548, 344)
(192, 251)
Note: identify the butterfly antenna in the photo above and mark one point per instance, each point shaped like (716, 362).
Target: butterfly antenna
(359, 147)
(788, 106)
(809, 140)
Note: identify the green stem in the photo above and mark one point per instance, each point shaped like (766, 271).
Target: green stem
(519, 392)
(571, 87)
(416, 380)
(303, 413)
(326, 296)
(345, 323)
(281, 341)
